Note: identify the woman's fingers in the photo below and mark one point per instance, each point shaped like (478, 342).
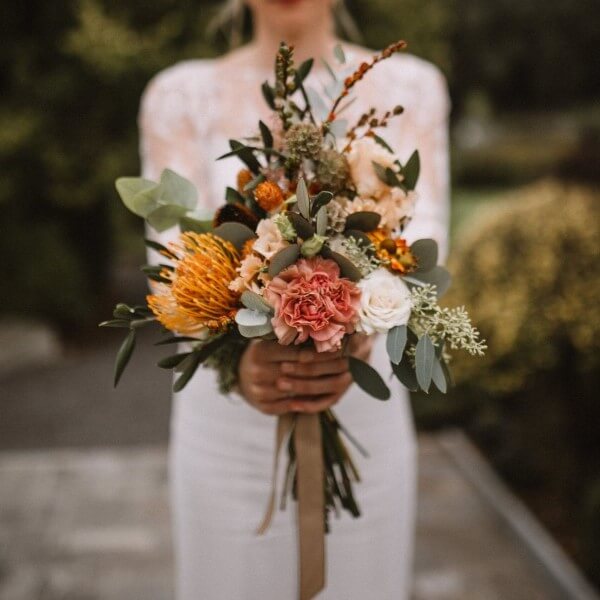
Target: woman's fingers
(316, 386)
(314, 405)
(315, 369)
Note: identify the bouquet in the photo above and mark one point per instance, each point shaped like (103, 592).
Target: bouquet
(306, 249)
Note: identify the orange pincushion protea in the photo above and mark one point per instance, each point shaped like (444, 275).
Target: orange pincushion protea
(198, 295)
(268, 195)
(394, 253)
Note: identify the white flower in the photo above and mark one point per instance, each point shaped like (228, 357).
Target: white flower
(385, 302)
(362, 154)
(248, 270)
(269, 241)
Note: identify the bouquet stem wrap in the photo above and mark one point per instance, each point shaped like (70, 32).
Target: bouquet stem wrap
(306, 430)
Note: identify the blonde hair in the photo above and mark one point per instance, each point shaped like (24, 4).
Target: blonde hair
(231, 20)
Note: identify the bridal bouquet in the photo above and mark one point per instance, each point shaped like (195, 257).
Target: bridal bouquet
(306, 249)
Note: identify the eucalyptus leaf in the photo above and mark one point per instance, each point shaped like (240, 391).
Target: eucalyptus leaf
(236, 233)
(165, 217)
(178, 190)
(438, 377)
(320, 200)
(283, 259)
(255, 330)
(368, 379)
(318, 105)
(396, 343)
(303, 227)
(426, 251)
(338, 52)
(411, 171)
(424, 359)
(322, 221)
(255, 302)
(187, 223)
(267, 136)
(130, 190)
(406, 374)
(123, 355)
(447, 373)
(338, 128)
(363, 221)
(251, 318)
(347, 268)
(302, 198)
(437, 276)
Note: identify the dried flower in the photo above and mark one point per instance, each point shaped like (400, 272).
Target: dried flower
(244, 177)
(268, 195)
(393, 252)
(332, 170)
(303, 140)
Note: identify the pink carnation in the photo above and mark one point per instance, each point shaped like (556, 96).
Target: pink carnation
(311, 300)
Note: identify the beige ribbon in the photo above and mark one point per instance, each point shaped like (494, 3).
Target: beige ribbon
(311, 524)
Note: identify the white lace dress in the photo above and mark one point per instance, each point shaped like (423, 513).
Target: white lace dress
(221, 449)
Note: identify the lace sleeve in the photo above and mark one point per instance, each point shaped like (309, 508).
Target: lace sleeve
(432, 213)
(169, 133)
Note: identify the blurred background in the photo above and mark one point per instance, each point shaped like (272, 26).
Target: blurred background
(525, 86)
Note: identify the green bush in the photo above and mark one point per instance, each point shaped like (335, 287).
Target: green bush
(527, 269)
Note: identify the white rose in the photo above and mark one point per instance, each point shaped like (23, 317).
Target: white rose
(269, 241)
(385, 302)
(362, 154)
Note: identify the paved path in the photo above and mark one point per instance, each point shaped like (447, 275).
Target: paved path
(94, 525)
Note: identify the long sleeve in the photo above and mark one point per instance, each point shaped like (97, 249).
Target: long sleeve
(432, 212)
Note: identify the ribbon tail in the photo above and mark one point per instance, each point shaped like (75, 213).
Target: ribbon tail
(311, 504)
(284, 428)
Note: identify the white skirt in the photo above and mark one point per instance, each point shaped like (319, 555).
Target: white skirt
(221, 467)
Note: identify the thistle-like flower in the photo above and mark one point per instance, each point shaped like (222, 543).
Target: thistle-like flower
(303, 140)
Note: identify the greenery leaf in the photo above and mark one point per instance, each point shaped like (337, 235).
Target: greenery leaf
(255, 302)
(359, 236)
(322, 221)
(189, 224)
(267, 136)
(406, 374)
(382, 143)
(159, 248)
(438, 376)
(268, 95)
(244, 153)
(368, 379)
(170, 362)
(363, 221)
(338, 52)
(283, 259)
(396, 342)
(320, 200)
(437, 276)
(130, 189)
(178, 190)
(192, 363)
(232, 196)
(115, 323)
(236, 233)
(424, 359)
(387, 175)
(253, 183)
(123, 355)
(174, 339)
(302, 198)
(303, 70)
(165, 216)
(303, 227)
(426, 251)
(411, 171)
(347, 268)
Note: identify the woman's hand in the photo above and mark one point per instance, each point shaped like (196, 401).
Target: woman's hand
(277, 379)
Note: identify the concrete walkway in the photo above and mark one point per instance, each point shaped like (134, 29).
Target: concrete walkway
(94, 525)
(84, 512)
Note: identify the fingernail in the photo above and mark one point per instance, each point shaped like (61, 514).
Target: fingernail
(298, 407)
(284, 385)
(287, 367)
(305, 356)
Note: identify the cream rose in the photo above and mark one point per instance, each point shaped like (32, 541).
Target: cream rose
(269, 241)
(363, 153)
(385, 302)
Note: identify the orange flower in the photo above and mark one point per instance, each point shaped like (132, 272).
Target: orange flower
(394, 253)
(268, 195)
(244, 177)
(198, 295)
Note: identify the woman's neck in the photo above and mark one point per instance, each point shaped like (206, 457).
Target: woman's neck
(317, 42)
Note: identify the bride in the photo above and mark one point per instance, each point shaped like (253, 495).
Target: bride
(222, 446)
